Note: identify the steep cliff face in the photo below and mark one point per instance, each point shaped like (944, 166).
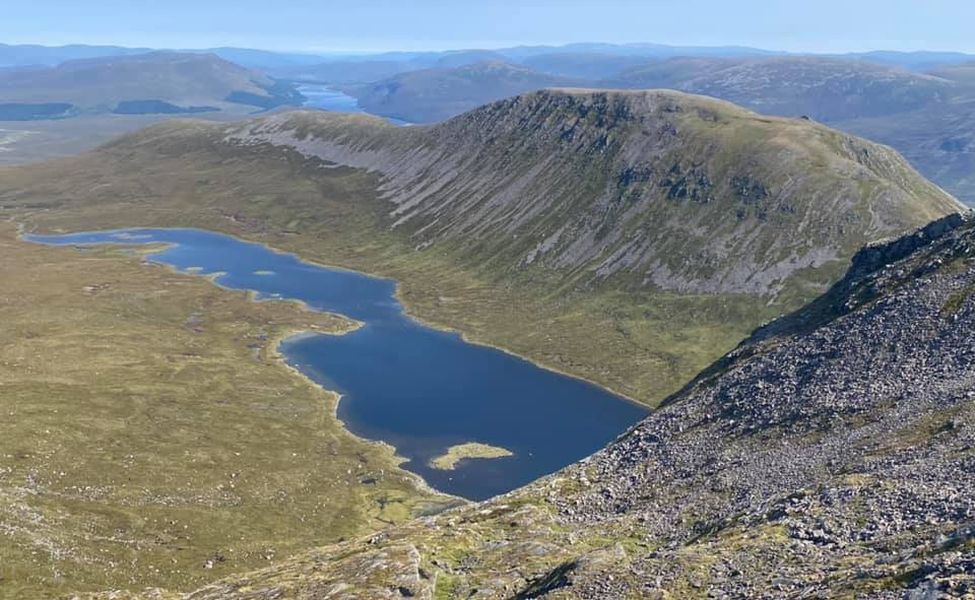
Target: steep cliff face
(832, 462)
(632, 189)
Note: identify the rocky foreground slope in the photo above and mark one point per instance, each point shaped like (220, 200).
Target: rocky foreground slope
(832, 455)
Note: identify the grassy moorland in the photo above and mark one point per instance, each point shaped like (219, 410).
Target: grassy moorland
(150, 435)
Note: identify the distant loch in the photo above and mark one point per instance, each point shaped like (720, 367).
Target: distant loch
(323, 97)
(422, 390)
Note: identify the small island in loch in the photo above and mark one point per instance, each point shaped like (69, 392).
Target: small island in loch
(448, 461)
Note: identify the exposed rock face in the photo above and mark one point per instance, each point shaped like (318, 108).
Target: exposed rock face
(836, 461)
(639, 190)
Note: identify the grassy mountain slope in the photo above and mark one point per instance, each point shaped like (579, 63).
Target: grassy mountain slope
(627, 238)
(962, 73)
(100, 84)
(919, 60)
(832, 459)
(591, 66)
(345, 71)
(939, 141)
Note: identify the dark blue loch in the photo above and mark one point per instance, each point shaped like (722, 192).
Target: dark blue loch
(419, 389)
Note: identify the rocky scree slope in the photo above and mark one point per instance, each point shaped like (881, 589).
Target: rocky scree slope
(639, 190)
(831, 457)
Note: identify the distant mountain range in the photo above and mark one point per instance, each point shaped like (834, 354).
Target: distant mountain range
(431, 95)
(34, 55)
(826, 89)
(155, 82)
(30, 54)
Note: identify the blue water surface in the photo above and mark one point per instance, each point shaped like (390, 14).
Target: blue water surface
(323, 97)
(326, 98)
(418, 388)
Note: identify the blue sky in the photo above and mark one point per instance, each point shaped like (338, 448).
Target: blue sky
(366, 25)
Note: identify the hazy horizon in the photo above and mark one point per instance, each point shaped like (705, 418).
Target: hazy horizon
(305, 26)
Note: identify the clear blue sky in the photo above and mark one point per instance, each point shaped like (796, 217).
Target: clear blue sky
(363, 25)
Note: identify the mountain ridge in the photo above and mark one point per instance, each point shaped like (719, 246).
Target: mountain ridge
(827, 89)
(630, 135)
(922, 107)
(434, 94)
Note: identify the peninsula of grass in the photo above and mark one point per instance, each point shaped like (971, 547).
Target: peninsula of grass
(448, 461)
